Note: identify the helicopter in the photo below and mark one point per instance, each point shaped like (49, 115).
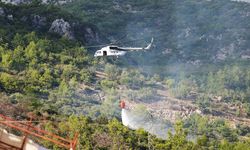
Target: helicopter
(113, 50)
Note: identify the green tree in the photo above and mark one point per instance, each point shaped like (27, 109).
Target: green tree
(64, 89)
(179, 141)
(18, 40)
(86, 76)
(183, 88)
(80, 125)
(170, 83)
(7, 59)
(242, 145)
(112, 72)
(19, 62)
(10, 84)
(46, 79)
(142, 139)
(225, 145)
(119, 135)
(31, 51)
(31, 37)
(108, 84)
(69, 71)
(132, 79)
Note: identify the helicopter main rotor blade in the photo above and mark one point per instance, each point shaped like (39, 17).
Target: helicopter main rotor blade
(95, 46)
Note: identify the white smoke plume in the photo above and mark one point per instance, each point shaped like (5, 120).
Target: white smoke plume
(136, 119)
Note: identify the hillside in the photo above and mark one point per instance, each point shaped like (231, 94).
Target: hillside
(193, 32)
(195, 78)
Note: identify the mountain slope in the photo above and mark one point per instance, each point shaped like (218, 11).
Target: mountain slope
(46, 20)
(46, 71)
(184, 31)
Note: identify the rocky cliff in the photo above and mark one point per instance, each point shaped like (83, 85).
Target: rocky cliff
(17, 2)
(47, 20)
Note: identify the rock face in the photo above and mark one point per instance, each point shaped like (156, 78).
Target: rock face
(16, 2)
(71, 28)
(125, 9)
(91, 35)
(61, 2)
(62, 28)
(38, 21)
(246, 55)
(10, 17)
(2, 13)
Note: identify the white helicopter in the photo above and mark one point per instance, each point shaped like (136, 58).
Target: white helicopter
(113, 50)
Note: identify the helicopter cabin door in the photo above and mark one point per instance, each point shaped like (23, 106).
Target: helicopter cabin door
(104, 53)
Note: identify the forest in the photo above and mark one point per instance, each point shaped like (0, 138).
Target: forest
(55, 77)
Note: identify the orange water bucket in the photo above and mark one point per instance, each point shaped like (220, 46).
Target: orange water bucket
(122, 104)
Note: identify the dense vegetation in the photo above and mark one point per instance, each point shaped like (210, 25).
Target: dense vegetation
(38, 65)
(52, 76)
(229, 84)
(104, 134)
(184, 30)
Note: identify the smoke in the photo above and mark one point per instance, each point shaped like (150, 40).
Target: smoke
(136, 120)
(186, 33)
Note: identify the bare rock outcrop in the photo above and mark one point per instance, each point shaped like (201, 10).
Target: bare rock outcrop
(38, 21)
(246, 55)
(2, 13)
(125, 9)
(16, 2)
(91, 35)
(10, 17)
(62, 28)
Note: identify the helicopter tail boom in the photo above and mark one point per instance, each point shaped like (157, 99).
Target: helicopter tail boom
(149, 45)
(136, 48)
